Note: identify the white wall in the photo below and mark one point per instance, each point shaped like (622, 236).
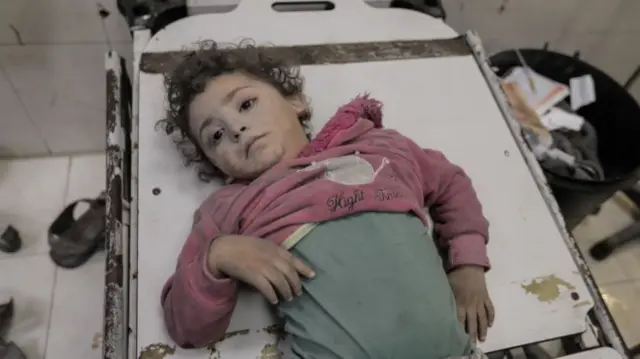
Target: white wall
(52, 91)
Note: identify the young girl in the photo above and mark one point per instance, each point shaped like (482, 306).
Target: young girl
(331, 230)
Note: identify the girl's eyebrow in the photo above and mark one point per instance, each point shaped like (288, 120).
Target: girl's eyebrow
(206, 123)
(225, 100)
(231, 94)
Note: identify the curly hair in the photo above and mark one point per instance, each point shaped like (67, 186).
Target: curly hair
(191, 76)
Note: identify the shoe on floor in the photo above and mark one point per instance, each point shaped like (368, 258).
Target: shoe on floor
(74, 240)
(9, 350)
(10, 240)
(6, 314)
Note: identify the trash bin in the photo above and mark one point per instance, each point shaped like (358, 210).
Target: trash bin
(616, 118)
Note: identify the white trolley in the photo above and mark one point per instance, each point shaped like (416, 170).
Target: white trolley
(436, 87)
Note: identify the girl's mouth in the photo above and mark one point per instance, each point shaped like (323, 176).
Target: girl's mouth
(250, 143)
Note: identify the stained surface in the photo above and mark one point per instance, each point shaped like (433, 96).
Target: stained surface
(269, 351)
(163, 62)
(571, 316)
(547, 288)
(62, 319)
(25, 198)
(157, 351)
(432, 100)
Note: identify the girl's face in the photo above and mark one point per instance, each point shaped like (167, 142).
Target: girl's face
(245, 126)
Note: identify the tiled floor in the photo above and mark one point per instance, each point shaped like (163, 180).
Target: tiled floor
(59, 312)
(618, 277)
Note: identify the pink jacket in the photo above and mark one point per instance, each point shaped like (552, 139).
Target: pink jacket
(351, 166)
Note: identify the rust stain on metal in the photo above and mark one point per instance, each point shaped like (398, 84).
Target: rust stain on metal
(270, 351)
(546, 288)
(114, 268)
(157, 351)
(116, 271)
(115, 328)
(112, 100)
(343, 53)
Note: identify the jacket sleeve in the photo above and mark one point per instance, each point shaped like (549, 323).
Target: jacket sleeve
(459, 224)
(198, 306)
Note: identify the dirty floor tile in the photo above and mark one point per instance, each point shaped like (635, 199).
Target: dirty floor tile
(76, 317)
(31, 196)
(87, 177)
(622, 265)
(622, 300)
(29, 281)
(77, 312)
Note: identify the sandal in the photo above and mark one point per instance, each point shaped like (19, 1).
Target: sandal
(8, 350)
(6, 314)
(73, 241)
(10, 241)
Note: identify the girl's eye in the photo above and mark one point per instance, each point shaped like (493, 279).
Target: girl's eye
(217, 136)
(247, 104)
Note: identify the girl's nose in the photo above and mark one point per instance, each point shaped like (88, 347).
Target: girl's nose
(236, 135)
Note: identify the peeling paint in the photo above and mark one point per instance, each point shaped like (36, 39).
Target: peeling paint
(276, 329)
(546, 288)
(116, 334)
(213, 352)
(300, 55)
(113, 102)
(270, 351)
(584, 303)
(157, 351)
(115, 321)
(96, 341)
(232, 334)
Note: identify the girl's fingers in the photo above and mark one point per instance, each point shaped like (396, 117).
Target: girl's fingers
(291, 275)
(462, 316)
(279, 282)
(482, 322)
(299, 265)
(472, 323)
(491, 313)
(303, 268)
(264, 286)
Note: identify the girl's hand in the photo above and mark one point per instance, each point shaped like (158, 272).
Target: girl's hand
(267, 267)
(475, 310)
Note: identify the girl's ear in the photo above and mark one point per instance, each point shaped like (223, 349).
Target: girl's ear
(299, 104)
